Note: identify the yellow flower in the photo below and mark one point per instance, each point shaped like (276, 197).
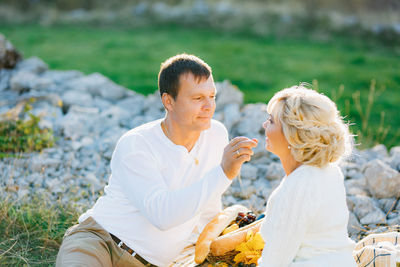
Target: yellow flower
(250, 250)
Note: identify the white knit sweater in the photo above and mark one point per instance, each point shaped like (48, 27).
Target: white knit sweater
(306, 221)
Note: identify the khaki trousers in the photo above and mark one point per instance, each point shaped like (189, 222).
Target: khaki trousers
(89, 244)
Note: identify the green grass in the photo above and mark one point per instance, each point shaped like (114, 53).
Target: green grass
(258, 66)
(31, 232)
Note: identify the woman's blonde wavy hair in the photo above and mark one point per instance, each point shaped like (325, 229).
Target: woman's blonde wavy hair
(311, 124)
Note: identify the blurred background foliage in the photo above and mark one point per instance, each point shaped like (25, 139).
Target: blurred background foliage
(349, 49)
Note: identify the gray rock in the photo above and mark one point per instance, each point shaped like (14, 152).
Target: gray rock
(231, 115)
(256, 204)
(377, 152)
(248, 171)
(109, 140)
(366, 210)
(84, 142)
(263, 188)
(140, 9)
(356, 187)
(395, 150)
(228, 200)
(9, 56)
(33, 65)
(90, 178)
(394, 221)
(153, 107)
(8, 99)
(394, 160)
(253, 116)
(74, 97)
(23, 193)
(61, 77)
(261, 170)
(22, 81)
(227, 94)
(39, 163)
(98, 85)
(250, 125)
(101, 103)
(353, 226)
(382, 180)
(134, 104)
(113, 117)
(53, 184)
(79, 121)
(387, 204)
(275, 171)
(393, 214)
(5, 76)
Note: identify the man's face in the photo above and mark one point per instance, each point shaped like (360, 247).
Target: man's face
(194, 105)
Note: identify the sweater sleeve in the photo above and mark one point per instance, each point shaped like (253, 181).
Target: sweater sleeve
(287, 215)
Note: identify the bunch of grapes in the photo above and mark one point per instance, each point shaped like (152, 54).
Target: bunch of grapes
(244, 219)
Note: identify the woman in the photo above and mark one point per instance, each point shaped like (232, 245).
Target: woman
(306, 215)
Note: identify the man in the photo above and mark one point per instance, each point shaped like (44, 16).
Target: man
(167, 178)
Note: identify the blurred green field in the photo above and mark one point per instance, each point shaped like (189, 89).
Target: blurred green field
(258, 66)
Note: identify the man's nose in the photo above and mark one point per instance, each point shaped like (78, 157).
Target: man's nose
(209, 103)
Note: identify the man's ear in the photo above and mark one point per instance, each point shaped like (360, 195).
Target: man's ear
(168, 101)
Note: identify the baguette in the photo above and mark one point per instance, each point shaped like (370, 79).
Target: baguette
(228, 242)
(213, 229)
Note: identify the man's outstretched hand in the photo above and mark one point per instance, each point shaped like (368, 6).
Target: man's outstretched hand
(238, 151)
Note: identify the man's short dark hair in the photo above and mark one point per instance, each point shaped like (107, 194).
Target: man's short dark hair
(173, 68)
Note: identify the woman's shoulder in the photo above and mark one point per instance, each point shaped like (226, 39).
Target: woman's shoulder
(308, 177)
(312, 172)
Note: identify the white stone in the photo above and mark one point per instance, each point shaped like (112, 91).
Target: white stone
(32, 64)
(227, 94)
(5, 76)
(153, 107)
(98, 85)
(275, 171)
(90, 178)
(366, 210)
(75, 97)
(39, 163)
(353, 226)
(113, 116)
(395, 150)
(248, 171)
(231, 115)
(382, 180)
(387, 204)
(60, 77)
(101, 103)
(133, 105)
(356, 187)
(394, 221)
(253, 116)
(394, 160)
(79, 121)
(256, 204)
(24, 81)
(228, 200)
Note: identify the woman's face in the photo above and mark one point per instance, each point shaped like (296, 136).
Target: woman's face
(275, 140)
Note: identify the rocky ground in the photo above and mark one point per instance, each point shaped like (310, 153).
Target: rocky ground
(89, 113)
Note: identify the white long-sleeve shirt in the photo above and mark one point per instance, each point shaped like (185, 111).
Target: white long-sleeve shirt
(159, 195)
(306, 221)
